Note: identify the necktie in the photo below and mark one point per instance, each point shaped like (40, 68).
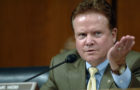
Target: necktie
(92, 81)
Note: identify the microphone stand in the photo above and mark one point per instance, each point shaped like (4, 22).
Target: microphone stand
(44, 71)
(70, 59)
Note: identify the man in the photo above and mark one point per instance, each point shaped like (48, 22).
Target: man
(95, 34)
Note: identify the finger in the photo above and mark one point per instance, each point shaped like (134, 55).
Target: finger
(130, 40)
(126, 41)
(121, 44)
(118, 46)
(130, 43)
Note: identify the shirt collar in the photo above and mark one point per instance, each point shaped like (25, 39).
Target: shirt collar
(101, 67)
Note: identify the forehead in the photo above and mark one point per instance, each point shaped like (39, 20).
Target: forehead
(90, 17)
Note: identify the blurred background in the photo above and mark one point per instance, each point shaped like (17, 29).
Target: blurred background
(33, 31)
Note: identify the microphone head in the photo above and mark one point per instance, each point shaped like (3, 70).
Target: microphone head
(71, 58)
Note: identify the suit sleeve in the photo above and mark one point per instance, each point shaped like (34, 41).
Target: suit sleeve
(135, 79)
(133, 62)
(123, 80)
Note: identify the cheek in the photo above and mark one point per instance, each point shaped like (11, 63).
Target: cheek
(106, 43)
(79, 45)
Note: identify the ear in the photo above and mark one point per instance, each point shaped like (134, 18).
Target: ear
(114, 34)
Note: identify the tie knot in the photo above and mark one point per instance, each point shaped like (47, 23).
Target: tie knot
(92, 70)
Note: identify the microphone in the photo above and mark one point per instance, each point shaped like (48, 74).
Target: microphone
(69, 59)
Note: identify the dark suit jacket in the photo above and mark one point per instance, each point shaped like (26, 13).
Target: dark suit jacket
(72, 76)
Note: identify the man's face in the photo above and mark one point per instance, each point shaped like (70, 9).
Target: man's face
(93, 37)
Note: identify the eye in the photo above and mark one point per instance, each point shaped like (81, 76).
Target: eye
(98, 34)
(82, 35)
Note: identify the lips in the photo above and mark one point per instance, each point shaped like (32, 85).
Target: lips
(90, 51)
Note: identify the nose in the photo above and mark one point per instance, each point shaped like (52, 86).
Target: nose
(89, 40)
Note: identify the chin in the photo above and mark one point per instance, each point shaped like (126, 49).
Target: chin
(91, 59)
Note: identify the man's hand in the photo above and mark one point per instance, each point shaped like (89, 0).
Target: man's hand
(117, 54)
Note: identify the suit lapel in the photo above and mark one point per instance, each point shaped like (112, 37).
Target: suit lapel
(107, 81)
(77, 76)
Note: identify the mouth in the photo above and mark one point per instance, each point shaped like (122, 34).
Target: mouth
(90, 51)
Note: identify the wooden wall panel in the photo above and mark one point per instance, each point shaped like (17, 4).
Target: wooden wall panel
(32, 31)
(129, 19)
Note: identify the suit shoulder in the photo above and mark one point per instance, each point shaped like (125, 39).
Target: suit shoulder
(62, 56)
(133, 55)
(133, 59)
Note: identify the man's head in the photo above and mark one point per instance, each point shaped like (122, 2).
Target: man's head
(97, 6)
(94, 30)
